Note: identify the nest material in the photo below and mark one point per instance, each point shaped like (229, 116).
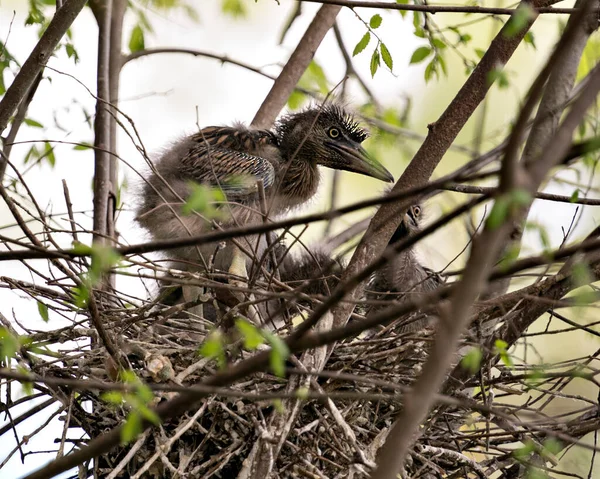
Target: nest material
(336, 435)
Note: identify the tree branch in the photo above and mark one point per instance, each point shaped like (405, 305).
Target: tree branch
(295, 67)
(24, 80)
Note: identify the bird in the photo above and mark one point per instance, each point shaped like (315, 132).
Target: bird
(232, 160)
(403, 277)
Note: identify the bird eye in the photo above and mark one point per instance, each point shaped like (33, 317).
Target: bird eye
(416, 211)
(333, 132)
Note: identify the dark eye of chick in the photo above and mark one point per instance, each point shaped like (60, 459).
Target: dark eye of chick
(333, 132)
(416, 211)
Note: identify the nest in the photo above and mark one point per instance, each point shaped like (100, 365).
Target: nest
(309, 423)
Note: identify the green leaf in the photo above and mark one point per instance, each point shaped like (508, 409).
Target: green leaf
(279, 353)
(144, 393)
(49, 154)
(253, 336)
(148, 414)
(386, 56)
(132, 427)
(403, 2)
(519, 20)
(439, 44)
(83, 146)
(33, 123)
(530, 40)
(500, 348)
(81, 294)
(472, 360)
(479, 52)
(103, 259)
(362, 44)
(420, 54)
(375, 62)
(375, 21)
(316, 75)
(509, 256)
(112, 397)
(9, 345)
(574, 196)
(43, 310)
(524, 452)
(136, 41)
(302, 393)
(497, 74)
(520, 197)
(234, 8)
(71, 52)
(213, 347)
(278, 405)
(499, 213)
(296, 100)
(202, 198)
(430, 70)
(552, 446)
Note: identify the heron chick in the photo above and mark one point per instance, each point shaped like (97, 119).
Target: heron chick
(233, 159)
(403, 276)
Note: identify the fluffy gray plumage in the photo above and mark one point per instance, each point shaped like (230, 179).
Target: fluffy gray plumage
(404, 276)
(285, 159)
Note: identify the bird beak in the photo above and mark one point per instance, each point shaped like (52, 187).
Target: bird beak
(357, 160)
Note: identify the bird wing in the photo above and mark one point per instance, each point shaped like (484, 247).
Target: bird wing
(223, 157)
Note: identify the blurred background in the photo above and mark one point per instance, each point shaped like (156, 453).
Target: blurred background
(169, 95)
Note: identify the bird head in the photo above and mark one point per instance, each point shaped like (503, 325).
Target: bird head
(328, 136)
(409, 224)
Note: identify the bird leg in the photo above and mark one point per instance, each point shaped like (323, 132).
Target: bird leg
(238, 270)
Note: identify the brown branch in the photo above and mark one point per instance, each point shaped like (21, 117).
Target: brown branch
(454, 319)
(492, 191)
(439, 8)
(295, 67)
(40, 54)
(441, 135)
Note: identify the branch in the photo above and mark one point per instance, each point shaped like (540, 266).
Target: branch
(441, 136)
(102, 126)
(25, 79)
(439, 8)
(295, 67)
(455, 317)
(492, 191)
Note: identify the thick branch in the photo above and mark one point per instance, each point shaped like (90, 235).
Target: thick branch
(441, 135)
(456, 316)
(295, 67)
(38, 58)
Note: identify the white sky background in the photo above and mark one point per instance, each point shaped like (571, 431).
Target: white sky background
(160, 93)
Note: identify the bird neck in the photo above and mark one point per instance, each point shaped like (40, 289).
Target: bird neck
(301, 180)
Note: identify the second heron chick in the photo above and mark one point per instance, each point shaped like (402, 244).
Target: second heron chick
(233, 160)
(403, 277)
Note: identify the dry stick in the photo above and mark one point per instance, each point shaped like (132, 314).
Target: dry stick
(215, 236)
(114, 77)
(439, 8)
(295, 67)
(24, 80)
(450, 327)
(492, 190)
